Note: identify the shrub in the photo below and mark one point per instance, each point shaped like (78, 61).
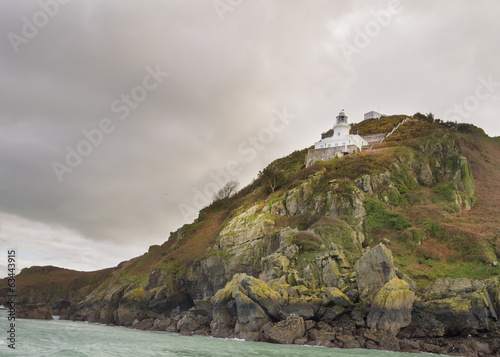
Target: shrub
(432, 228)
(307, 241)
(445, 191)
(378, 217)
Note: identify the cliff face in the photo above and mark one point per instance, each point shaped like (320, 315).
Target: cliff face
(380, 249)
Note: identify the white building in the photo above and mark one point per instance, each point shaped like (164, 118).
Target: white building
(341, 139)
(373, 115)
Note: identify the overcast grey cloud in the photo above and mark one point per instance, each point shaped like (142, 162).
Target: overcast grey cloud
(228, 74)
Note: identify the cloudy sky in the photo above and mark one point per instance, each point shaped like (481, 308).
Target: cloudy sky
(119, 118)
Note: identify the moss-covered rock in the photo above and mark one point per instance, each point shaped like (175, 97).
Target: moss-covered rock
(391, 308)
(373, 270)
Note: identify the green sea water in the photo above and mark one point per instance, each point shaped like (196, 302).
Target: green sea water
(66, 338)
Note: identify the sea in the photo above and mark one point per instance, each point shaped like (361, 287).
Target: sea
(35, 338)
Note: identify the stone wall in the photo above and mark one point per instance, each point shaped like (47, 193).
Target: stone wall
(326, 154)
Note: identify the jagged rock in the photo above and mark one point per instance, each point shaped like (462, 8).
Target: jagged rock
(162, 323)
(60, 307)
(126, 314)
(332, 313)
(426, 175)
(403, 276)
(264, 296)
(34, 311)
(391, 308)
(106, 315)
(303, 309)
(255, 303)
(373, 270)
(334, 296)
(422, 326)
(340, 205)
(331, 274)
(246, 227)
(273, 266)
(459, 304)
(146, 324)
(322, 335)
(192, 321)
(287, 331)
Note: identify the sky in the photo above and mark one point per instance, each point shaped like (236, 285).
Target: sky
(120, 119)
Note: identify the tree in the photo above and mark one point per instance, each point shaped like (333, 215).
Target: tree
(272, 178)
(229, 189)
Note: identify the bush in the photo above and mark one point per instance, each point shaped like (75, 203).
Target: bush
(432, 228)
(378, 217)
(445, 191)
(307, 241)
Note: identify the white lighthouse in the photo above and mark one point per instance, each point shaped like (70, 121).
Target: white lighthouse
(341, 139)
(341, 128)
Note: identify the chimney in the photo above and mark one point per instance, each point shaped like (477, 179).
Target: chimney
(323, 135)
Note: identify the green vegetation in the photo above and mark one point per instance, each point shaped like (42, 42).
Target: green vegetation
(378, 126)
(432, 228)
(378, 217)
(446, 191)
(428, 233)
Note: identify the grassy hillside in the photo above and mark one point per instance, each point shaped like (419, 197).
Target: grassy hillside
(49, 284)
(443, 226)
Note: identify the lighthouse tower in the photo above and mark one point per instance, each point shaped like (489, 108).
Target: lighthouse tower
(341, 128)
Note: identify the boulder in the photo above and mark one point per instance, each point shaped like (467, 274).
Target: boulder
(287, 331)
(461, 305)
(34, 311)
(391, 308)
(322, 335)
(247, 300)
(422, 326)
(192, 321)
(303, 309)
(270, 300)
(126, 314)
(331, 274)
(373, 270)
(332, 313)
(336, 297)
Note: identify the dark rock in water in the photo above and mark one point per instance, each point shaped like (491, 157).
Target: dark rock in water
(34, 311)
(287, 331)
(146, 324)
(107, 315)
(192, 321)
(249, 312)
(391, 308)
(373, 270)
(247, 300)
(60, 307)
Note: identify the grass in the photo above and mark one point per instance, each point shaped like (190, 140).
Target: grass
(379, 217)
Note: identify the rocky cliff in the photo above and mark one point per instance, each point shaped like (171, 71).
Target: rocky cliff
(380, 249)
